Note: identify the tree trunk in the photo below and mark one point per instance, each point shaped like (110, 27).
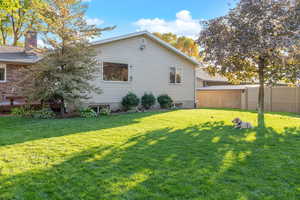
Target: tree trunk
(62, 108)
(15, 39)
(261, 95)
(3, 37)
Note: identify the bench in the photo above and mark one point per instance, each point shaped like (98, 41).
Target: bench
(98, 107)
(12, 100)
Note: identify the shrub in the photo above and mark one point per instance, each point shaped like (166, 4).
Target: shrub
(22, 111)
(165, 101)
(105, 111)
(45, 113)
(26, 111)
(129, 101)
(88, 113)
(148, 100)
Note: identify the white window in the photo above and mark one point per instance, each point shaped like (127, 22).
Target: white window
(175, 75)
(2, 72)
(115, 71)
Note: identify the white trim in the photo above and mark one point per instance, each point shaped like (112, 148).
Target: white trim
(3, 66)
(150, 35)
(227, 87)
(117, 62)
(20, 61)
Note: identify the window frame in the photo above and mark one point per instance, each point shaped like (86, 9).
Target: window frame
(177, 69)
(3, 66)
(115, 62)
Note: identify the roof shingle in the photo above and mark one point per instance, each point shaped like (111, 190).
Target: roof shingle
(12, 54)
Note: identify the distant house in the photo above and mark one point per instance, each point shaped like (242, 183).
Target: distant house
(204, 79)
(139, 62)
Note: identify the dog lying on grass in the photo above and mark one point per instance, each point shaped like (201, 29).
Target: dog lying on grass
(240, 124)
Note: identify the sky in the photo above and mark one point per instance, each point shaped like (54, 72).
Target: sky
(177, 16)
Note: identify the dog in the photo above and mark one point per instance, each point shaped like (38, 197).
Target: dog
(240, 124)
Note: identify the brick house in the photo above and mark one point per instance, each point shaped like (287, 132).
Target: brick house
(12, 61)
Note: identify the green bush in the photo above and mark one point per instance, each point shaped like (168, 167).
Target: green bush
(165, 101)
(105, 111)
(130, 100)
(45, 113)
(22, 111)
(88, 113)
(25, 111)
(148, 100)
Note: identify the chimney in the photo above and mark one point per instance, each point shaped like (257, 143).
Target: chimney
(30, 40)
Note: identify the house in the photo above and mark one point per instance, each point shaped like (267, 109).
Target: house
(12, 61)
(138, 62)
(204, 79)
(141, 62)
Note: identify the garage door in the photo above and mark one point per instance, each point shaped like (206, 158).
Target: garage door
(219, 99)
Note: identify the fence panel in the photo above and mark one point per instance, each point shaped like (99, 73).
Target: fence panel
(284, 99)
(277, 99)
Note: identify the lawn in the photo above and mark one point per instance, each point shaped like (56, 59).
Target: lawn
(184, 154)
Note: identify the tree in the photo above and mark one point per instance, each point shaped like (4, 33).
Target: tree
(184, 44)
(17, 17)
(5, 29)
(253, 42)
(64, 74)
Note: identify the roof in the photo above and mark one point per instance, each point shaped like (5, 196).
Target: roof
(227, 87)
(12, 54)
(151, 36)
(205, 76)
(18, 55)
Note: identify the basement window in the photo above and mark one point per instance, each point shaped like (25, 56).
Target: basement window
(115, 71)
(2, 72)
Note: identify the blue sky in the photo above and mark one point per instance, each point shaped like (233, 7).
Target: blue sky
(177, 16)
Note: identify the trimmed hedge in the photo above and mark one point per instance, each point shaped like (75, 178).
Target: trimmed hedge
(148, 100)
(165, 101)
(130, 100)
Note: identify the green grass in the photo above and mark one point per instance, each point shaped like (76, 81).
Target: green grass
(185, 154)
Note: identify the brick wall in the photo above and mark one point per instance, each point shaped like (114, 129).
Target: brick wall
(14, 74)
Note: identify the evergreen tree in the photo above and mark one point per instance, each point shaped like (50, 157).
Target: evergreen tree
(69, 64)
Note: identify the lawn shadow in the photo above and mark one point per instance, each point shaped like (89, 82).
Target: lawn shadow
(287, 114)
(205, 161)
(14, 130)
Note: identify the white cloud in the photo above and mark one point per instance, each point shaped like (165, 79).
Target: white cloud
(86, 0)
(183, 25)
(94, 21)
(41, 43)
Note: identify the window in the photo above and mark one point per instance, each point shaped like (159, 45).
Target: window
(115, 71)
(175, 75)
(2, 72)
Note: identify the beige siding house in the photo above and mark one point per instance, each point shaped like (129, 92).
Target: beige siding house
(139, 63)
